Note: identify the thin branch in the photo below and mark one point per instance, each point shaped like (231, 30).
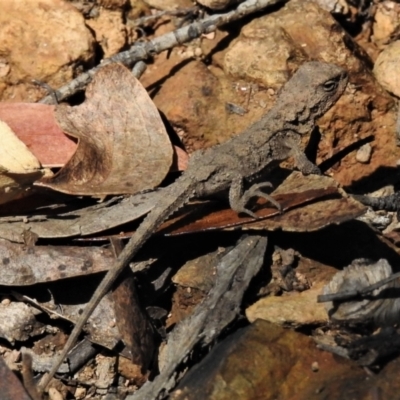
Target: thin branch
(173, 13)
(144, 50)
(352, 294)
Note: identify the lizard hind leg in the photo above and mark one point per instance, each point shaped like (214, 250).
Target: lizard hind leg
(238, 198)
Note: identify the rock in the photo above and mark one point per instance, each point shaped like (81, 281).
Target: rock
(137, 8)
(261, 54)
(110, 31)
(193, 281)
(386, 69)
(248, 72)
(264, 361)
(364, 153)
(215, 4)
(293, 308)
(169, 5)
(386, 22)
(113, 4)
(334, 6)
(45, 40)
(274, 45)
(199, 111)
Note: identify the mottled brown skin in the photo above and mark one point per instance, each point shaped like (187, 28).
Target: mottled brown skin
(312, 90)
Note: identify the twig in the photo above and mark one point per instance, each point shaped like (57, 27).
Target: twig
(27, 377)
(350, 294)
(144, 50)
(51, 92)
(138, 69)
(173, 13)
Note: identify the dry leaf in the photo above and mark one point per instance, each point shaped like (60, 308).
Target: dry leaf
(22, 266)
(123, 145)
(309, 203)
(10, 386)
(36, 126)
(87, 221)
(381, 305)
(132, 320)
(101, 327)
(19, 168)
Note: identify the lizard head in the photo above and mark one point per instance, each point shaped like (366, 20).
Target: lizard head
(313, 90)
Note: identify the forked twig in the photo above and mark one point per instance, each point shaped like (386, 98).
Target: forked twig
(144, 50)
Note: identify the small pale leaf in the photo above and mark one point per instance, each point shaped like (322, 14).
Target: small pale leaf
(15, 157)
(19, 168)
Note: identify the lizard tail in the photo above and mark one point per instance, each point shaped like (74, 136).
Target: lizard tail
(172, 198)
(387, 203)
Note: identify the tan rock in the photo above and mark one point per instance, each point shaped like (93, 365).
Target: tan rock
(45, 40)
(260, 54)
(364, 153)
(386, 68)
(215, 4)
(334, 6)
(386, 22)
(110, 31)
(271, 47)
(137, 8)
(279, 42)
(169, 5)
(296, 308)
(113, 4)
(194, 101)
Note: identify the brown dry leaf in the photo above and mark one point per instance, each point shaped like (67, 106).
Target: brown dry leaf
(101, 327)
(87, 221)
(381, 305)
(27, 266)
(132, 320)
(123, 146)
(10, 386)
(313, 215)
(36, 126)
(309, 203)
(19, 168)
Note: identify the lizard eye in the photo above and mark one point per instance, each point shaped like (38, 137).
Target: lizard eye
(330, 86)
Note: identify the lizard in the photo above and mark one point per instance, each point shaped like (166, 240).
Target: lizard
(311, 91)
(387, 203)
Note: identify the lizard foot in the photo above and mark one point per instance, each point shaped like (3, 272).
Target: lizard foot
(254, 191)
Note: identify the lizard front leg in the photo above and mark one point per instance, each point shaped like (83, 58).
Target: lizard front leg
(302, 162)
(238, 198)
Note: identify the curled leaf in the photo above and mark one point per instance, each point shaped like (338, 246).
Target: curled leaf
(123, 146)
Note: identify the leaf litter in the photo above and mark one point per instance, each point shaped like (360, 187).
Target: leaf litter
(97, 170)
(99, 167)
